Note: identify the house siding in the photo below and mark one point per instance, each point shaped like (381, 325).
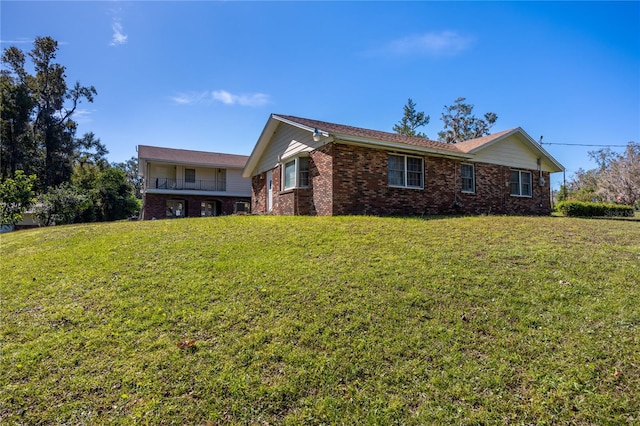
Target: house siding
(235, 183)
(513, 152)
(287, 141)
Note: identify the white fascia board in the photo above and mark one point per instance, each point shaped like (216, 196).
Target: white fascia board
(264, 139)
(301, 126)
(544, 153)
(536, 146)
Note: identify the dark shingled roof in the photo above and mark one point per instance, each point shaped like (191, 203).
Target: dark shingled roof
(172, 155)
(359, 132)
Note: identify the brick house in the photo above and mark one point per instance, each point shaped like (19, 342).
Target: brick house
(184, 183)
(308, 167)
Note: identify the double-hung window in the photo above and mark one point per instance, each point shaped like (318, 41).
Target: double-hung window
(520, 183)
(406, 171)
(468, 178)
(295, 173)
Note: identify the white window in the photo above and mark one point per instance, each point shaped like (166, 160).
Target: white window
(468, 178)
(520, 183)
(406, 171)
(295, 173)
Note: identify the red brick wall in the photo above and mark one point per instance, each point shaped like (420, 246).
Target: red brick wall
(361, 187)
(259, 193)
(346, 179)
(321, 181)
(155, 205)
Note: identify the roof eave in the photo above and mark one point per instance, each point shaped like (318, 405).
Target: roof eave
(535, 145)
(265, 136)
(191, 163)
(293, 123)
(541, 150)
(402, 146)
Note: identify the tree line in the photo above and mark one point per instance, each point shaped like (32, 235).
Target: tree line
(44, 162)
(616, 179)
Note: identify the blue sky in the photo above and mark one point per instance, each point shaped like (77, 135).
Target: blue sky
(206, 75)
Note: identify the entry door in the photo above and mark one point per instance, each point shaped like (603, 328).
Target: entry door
(269, 191)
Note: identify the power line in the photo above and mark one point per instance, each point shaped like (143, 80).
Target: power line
(581, 144)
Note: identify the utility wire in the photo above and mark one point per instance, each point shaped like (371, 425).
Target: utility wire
(581, 144)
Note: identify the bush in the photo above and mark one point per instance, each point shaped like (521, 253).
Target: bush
(585, 209)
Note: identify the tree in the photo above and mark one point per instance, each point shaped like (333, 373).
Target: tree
(17, 147)
(89, 150)
(61, 205)
(55, 105)
(16, 197)
(115, 199)
(460, 124)
(110, 195)
(615, 179)
(130, 169)
(37, 128)
(603, 158)
(411, 121)
(583, 186)
(619, 176)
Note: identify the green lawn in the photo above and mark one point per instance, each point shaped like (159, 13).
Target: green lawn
(299, 320)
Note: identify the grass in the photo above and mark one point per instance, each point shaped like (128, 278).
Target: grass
(298, 320)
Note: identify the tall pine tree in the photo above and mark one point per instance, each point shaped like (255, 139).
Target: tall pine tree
(411, 120)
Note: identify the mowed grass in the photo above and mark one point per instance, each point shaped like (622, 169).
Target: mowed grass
(299, 320)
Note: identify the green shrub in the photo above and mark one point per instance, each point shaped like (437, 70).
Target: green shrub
(585, 209)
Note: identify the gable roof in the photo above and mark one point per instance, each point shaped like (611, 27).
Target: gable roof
(484, 141)
(473, 146)
(185, 156)
(332, 131)
(345, 132)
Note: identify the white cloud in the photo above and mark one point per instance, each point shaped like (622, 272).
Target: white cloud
(83, 116)
(118, 36)
(444, 43)
(190, 98)
(252, 99)
(17, 41)
(227, 98)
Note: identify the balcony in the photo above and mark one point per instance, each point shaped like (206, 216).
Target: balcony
(218, 185)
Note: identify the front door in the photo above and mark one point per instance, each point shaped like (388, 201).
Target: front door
(269, 191)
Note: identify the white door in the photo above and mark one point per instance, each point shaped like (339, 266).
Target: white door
(269, 191)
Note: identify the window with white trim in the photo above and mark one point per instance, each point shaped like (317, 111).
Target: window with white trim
(468, 177)
(406, 171)
(520, 183)
(295, 173)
